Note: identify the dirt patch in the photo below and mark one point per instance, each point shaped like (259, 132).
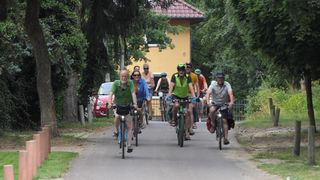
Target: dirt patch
(256, 140)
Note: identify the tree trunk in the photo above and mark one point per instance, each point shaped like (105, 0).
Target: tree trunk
(70, 104)
(44, 87)
(307, 77)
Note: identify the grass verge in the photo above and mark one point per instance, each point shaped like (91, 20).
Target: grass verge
(292, 167)
(55, 166)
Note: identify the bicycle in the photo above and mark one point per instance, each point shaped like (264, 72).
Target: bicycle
(122, 111)
(181, 116)
(163, 107)
(219, 125)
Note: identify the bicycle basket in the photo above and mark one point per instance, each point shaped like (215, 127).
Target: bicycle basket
(123, 110)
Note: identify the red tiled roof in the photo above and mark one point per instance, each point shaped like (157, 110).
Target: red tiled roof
(180, 10)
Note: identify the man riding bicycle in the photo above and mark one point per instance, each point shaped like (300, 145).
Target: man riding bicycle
(221, 93)
(124, 95)
(148, 77)
(142, 93)
(203, 86)
(195, 85)
(179, 88)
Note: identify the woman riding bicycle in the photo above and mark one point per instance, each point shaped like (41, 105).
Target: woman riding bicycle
(163, 84)
(142, 93)
(179, 88)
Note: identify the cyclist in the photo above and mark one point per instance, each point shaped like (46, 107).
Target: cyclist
(179, 88)
(163, 84)
(142, 93)
(195, 85)
(148, 77)
(124, 95)
(203, 86)
(221, 93)
(136, 68)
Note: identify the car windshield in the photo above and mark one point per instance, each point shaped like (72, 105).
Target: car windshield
(105, 89)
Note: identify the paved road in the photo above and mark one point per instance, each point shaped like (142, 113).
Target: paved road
(159, 157)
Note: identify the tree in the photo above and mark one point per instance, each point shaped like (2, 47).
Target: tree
(107, 25)
(287, 33)
(44, 87)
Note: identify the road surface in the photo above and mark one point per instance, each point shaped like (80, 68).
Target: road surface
(159, 157)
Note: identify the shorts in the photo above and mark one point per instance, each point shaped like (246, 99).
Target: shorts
(140, 103)
(150, 93)
(186, 105)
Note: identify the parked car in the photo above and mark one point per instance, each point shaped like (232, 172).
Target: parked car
(100, 106)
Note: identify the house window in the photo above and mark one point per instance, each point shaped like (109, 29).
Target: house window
(155, 40)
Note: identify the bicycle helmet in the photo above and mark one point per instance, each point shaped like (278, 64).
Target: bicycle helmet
(181, 67)
(163, 74)
(220, 75)
(197, 71)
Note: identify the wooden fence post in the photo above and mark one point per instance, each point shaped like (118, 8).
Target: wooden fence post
(311, 146)
(297, 139)
(8, 172)
(276, 118)
(81, 112)
(270, 105)
(31, 161)
(273, 113)
(36, 137)
(23, 159)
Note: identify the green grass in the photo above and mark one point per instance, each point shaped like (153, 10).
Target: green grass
(295, 167)
(7, 158)
(55, 166)
(96, 124)
(262, 120)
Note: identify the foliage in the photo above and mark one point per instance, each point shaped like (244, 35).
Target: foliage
(292, 104)
(67, 47)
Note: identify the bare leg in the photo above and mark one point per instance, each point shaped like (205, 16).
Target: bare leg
(129, 126)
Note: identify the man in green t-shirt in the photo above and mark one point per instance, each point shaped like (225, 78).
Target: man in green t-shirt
(123, 91)
(179, 88)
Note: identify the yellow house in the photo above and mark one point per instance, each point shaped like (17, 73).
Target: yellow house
(183, 14)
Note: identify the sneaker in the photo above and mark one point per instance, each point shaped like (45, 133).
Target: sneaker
(191, 132)
(115, 134)
(142, 126)
(187, 136)
(130, 149)
(194, 126)
(226, 142)
(212, 130)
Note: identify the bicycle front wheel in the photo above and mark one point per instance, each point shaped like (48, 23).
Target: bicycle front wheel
(180, 130)
(123, 139)
(220, 130)
(136, 129)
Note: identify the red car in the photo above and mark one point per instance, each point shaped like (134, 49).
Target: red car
(100, 106)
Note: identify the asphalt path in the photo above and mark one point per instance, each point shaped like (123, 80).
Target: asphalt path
(158, 156)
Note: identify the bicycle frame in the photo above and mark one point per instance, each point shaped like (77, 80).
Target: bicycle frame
(219, 122)
(181, 116)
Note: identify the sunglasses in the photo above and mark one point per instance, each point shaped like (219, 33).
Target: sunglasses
(136, 75)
